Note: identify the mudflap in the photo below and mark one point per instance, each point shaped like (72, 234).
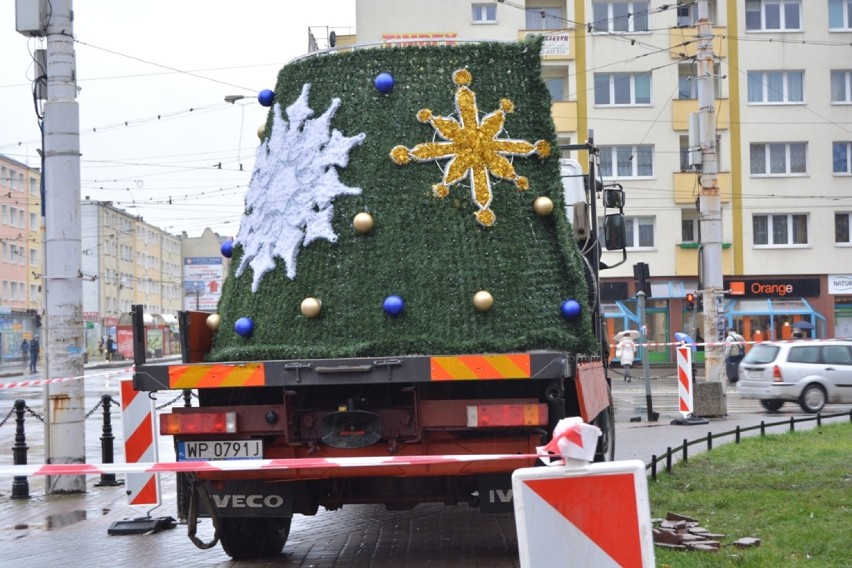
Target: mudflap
(495, 493)
(251, 498)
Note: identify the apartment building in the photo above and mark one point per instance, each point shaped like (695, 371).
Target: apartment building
(20, 256)
(626, 71)
(127, 262)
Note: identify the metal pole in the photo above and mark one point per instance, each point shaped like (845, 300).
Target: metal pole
(709, 201)
(107, 439)
(20, 483)
(65, 428)
(646, 365)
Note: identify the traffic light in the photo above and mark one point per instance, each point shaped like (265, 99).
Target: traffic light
(690, 301)
(642, 278)
(38, 320)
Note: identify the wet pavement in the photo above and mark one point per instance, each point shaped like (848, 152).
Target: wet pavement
(64, 530)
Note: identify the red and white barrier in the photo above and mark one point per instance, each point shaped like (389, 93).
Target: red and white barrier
(140, 446)
(42, 382)
(684, 381)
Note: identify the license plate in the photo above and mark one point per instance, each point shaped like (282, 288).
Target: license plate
(200, 450)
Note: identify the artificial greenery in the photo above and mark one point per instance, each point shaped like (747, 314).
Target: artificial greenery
(427, 250)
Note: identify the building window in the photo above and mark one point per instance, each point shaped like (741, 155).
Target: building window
(841, 228)
(622, 89)
(640, 232)
(780, 230)
(841, 86)
(556, 87)
(484, 13)
(627, 161)
(690, 230)
(33, 257)
(687, 12)
(544, 19)
(34, 189)
(839, 14)
(841, 153)
(773, 15)
(620, 16)
(779, 158)
(772, 87)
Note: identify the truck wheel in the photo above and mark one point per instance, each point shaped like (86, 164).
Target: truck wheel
(772, 405)
(812, 398)
(245, 539)
(605, 450)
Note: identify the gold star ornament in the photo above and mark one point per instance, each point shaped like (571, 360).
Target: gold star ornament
(472, 147)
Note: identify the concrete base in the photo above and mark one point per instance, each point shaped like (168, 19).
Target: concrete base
(710, 399)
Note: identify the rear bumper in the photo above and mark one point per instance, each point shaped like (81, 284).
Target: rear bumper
(768, 391)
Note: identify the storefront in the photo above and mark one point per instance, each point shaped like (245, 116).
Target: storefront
(840, 294)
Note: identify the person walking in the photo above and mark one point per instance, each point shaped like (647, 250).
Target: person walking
(111, 348)
(625, 350)
(34, 349)
(25, 350)
(734, 353)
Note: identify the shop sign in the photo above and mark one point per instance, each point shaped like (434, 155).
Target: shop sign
(840, 284)
(774, 287)
(90, 316)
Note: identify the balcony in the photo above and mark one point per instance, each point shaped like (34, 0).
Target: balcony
(682, 108)
(564, 116)
(687, 188)
(686, 259)
(679, 36)
(558, 44)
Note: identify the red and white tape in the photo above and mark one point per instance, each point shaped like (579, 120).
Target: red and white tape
(41, 382)
(248, 465)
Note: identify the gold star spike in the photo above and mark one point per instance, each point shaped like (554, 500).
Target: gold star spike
(472, 147)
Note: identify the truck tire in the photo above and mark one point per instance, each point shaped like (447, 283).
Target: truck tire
(605, 450)
(246, 539)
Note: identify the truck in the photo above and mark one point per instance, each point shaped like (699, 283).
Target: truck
(412, 301)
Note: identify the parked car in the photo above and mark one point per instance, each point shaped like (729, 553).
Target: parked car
(811, 372)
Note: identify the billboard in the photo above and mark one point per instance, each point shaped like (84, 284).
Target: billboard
(202, 282)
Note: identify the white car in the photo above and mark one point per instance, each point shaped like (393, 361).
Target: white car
(811, 372)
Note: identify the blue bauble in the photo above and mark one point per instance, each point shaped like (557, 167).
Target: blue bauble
(394, 305)
(244, 327)
(266, 97)
(384, 83)
(571, 309)
(227, 248)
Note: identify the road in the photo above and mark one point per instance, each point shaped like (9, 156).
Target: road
(58, 530)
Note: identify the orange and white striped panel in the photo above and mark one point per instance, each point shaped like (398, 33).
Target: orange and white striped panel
(684, 380)
(473, 367)
(215, 376)
(140, 445)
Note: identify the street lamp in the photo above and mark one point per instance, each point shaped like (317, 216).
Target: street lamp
(234, 98)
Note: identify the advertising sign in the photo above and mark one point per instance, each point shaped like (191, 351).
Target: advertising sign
(202, 282)
(840, 284)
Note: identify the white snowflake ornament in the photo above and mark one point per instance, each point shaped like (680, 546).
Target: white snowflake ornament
(293, 186)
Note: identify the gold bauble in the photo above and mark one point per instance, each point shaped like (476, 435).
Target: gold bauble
(261, 130)
(363, 222)
(483, 301)
(214, 321)
(543, 206)
(311, 307)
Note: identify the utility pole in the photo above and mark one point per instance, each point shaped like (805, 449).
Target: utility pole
(65, 429)
(709, 201)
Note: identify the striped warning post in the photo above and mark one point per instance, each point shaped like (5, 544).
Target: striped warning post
(137, 418)
(584, 515)
(684, 380)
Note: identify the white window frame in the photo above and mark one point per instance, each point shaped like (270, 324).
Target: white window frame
(771, 220)
(612, 159)
(770, 149)
(631, 228)
(605, 25)
(612, 79)
(843, 9)
(479, 13)
(842, 77)
(766, 91)
(763, 5)
(695, 223)
(848, 216)
(837, 148)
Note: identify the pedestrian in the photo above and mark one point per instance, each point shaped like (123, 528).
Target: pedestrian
(110, 346)
(625, 350)
(25, 350)
(734, 353)
(34, 349)
(101, 347)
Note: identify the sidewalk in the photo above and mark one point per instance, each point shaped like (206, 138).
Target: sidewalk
(8, 370)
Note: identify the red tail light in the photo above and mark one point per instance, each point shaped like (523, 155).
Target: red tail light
(199, 423)
(776, 374)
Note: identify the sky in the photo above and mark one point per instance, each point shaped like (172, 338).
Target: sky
(156, 135)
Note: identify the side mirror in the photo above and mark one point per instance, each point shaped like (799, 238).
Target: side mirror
(613, 199)
(615, 233)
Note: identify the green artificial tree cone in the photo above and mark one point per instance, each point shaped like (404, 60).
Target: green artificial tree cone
(443, 162)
